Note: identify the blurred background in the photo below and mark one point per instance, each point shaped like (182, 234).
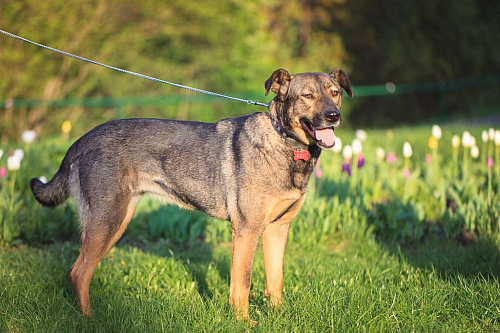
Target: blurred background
(410, 62)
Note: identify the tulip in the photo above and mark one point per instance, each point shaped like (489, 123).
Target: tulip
(19, 153)
(484, 136)
(66, 127)
(347, 153)
(490, 165)
(468, 140)
(406, 172)
(346, 167)
(1, 153)
(380, 152)
(319, 172)
(361, 161)
(337, 148)
(407, 150)
(474, 152)
(3, 172)
(28, 136)
(407, 153)
(13, 163)
(497, 150)
(491, 134)
(43, 179)
(455, 141)
(356, 146)
(433, 143)
(391, 158)
(361, 135)
(428, 159)
(436, 132)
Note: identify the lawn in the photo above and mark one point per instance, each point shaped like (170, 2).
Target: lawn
(410, 244)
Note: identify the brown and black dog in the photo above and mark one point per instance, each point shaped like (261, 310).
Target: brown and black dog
(251, 170)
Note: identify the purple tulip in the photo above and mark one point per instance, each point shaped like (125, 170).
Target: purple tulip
(346, 167)
(361, 161)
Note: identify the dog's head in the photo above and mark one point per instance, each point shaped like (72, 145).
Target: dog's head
(309, 104)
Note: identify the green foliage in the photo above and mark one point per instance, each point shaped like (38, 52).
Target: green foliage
(440, 199)
(10, 204)
(232, 48)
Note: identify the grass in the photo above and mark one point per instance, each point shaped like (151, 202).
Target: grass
(340, 286)
(372, 252)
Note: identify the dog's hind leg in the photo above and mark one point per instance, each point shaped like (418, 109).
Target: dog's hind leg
(100, 233)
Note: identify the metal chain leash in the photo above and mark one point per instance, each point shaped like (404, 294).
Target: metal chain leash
(247, 101)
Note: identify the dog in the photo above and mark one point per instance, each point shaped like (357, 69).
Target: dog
(252, 171)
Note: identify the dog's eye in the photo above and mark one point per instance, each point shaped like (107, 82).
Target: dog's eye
(308, 96)
(335, 93)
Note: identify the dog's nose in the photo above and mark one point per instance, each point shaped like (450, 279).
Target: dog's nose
(332, 115)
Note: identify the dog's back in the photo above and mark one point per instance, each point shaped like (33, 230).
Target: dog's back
(178, 161)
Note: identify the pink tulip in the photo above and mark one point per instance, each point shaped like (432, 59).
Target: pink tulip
(490, 162)
(428, 159)
(319, 172)
(391, 158)
(3, 172)
(406, 173)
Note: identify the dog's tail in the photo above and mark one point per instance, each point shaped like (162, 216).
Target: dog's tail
(56, 191)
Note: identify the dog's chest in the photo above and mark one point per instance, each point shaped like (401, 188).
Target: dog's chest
(300, 172)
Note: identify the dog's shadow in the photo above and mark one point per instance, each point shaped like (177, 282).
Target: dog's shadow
(196, 255)
(465, 254)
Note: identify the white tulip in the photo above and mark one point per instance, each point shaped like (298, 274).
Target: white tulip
(436, 132)
(361, 135)
(1, 153)
(19, 153)
(484, 136)
(380, 152)
(338, 145)
(356, 146)
(455, 141)
(491, 133)
(497, 138)
(28, 136)
(474, 152)
(13, 163)
(407, 151)
(43, 179)
(347, 153)
(472, 140)
(467, 140)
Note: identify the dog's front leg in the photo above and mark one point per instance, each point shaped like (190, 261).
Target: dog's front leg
(274, 240)
(244, 243)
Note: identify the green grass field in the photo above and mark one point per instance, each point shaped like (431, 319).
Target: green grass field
(384, 249)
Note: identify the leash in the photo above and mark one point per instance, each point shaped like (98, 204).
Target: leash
(247, 101)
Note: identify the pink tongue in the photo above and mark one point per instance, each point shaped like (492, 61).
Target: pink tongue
(326, 136)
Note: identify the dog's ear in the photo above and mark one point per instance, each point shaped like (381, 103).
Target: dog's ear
(343, 80)
(278, 83)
